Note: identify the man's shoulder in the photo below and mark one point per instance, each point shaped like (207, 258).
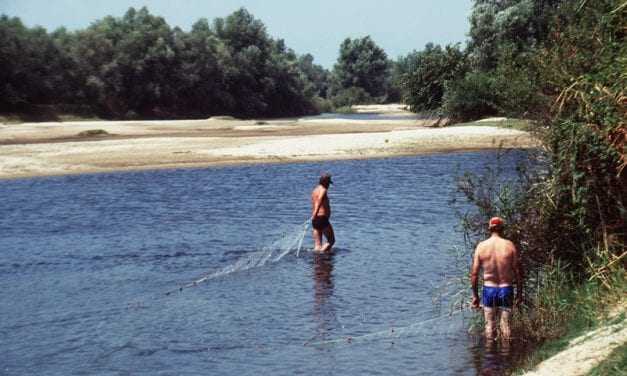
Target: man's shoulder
(509, 243)
(482, 246)
(483, 243)
(319, 190)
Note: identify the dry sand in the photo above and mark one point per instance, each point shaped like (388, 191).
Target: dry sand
(40, 149)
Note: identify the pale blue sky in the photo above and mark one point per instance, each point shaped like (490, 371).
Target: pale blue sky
(316, 26)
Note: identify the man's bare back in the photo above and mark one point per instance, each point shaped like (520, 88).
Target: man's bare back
(498, 259)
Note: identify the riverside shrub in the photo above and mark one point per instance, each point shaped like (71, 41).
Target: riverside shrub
(471, 98)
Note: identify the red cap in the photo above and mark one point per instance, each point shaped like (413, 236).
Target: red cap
(496, 221)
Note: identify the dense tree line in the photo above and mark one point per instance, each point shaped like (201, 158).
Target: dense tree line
(138, 66)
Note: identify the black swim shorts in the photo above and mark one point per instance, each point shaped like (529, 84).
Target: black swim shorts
(320, 222)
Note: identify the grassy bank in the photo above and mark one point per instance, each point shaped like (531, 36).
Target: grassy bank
(565, 310)
(614, 365)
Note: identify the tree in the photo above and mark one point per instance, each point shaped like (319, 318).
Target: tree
(240, 30)
(31, 65)
(520, 25)
(201, 85)
(427, 73)
(317, 78)
(364, 65)
(130, 63)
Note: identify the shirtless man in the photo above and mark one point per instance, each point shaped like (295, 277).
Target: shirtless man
(498, 258)
(320, 214)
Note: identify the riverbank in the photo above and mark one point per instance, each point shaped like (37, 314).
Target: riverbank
(54, 148)
(588, 351)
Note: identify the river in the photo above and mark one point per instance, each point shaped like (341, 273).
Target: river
(87, 261)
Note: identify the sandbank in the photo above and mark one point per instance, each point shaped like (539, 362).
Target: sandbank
(45, 149)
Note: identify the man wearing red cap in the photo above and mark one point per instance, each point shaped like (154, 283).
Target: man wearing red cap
(321, 212)
(498, 258)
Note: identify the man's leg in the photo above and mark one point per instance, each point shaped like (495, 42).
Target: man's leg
(489, 314)
(330, 235)
(504, 322)
(317, 237)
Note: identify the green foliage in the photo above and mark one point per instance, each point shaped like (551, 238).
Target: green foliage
(322, 104)
(614, 365)
(345, 110)
(498, 23)
(471, 97)
(587, 196)
(584, 68)
(32, 66)
(511, 90)
(137, 66)
(518, 86)
(351, 96)
(363, 65)
(565, 310)
(424, 75)
(497, 74)
(316, 77)
(128, 63)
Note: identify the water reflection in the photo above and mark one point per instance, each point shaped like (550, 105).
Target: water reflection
(493, 357)
(323, 310)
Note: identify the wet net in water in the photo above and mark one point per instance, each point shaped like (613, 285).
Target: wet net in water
(290, 241)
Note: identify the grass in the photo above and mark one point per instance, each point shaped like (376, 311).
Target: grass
(615, 364)
(566, 311)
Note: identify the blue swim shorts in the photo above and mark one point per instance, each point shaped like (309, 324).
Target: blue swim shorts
(497, 297)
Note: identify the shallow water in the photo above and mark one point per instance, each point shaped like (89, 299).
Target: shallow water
(87, 261)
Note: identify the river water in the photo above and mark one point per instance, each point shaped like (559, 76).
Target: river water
(87, 261)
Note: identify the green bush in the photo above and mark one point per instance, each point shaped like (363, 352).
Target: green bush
(423, 75)
(344, 110)
(322, 104)
(471, 98)
(351, 96)
(517, 87)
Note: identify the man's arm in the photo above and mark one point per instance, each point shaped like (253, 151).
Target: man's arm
(318, 202)
(474, 278)
(518, 275)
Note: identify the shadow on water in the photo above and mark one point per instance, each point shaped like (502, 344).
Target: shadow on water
(324, 312)
(497, 357)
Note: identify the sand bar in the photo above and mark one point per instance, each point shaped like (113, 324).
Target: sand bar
(44, 149)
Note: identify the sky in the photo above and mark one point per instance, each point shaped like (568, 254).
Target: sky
(307, 26)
